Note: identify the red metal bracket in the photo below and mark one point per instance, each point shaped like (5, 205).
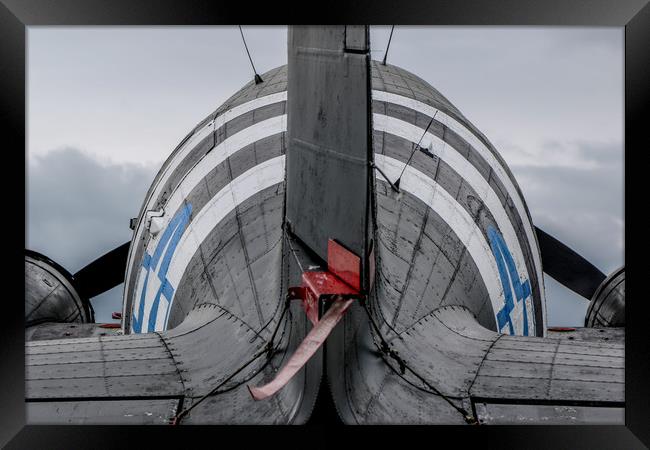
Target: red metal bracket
(342, 280)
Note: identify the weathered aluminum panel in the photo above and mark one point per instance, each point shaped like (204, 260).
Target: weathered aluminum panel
(404, 104)
(95, 412)
(469, 365)
(49, 331)
(117, 367)
(552, 370)
(590, 334)
(49, 293)
(607, 307)
(447, 169)
(394, 87)
(328, 131)
(423, 264)
(516, 414)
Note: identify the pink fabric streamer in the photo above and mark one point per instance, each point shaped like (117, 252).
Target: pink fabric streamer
(305, 350)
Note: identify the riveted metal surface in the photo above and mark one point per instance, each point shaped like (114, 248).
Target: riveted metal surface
(607, 307)
(328, 151)
(95, 412)
(52, 331)
(518, 414)
(463, 360)
(49, 293)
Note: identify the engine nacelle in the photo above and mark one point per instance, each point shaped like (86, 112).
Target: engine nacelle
(50, 295)
(607, 307)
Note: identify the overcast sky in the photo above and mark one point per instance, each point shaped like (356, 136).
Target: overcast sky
(107, 105)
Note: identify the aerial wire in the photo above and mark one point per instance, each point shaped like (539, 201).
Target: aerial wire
(417, 146)
(388, 46)
(258, 79)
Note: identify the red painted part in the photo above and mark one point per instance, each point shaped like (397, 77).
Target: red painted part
(110, 325)
(324, 283)
(344, 264)
(310, 305)
(560, 329)
(117, 315)
(322, 286)
(297, 293)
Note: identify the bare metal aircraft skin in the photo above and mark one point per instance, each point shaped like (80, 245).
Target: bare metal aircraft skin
(448, 321)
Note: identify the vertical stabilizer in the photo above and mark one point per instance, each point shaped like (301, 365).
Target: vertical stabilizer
(328, 98)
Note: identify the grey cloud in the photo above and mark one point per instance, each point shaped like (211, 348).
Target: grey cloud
(520, 82)
(605, 154)
(590, 38)
(134, 92)
(581, 207)
(78, 208)
(564, 308)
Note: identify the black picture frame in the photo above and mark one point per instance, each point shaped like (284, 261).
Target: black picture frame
(16, 15)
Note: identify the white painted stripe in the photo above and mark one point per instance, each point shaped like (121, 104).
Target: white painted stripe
(239, 110)
(249, 183)
(217, 155)
(182, 152)
(489, 157)
(161, 318)
(467, 171)
(153, 284)
(211, 160)
(137, 293)
(254, 180)
(196, 174)
(458, 219)
(218, 122)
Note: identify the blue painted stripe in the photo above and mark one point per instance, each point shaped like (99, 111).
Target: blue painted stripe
(509, 280)
(173, 224)
(168, 243)
(178, 224)
(146, 261)
(503, 316)
(137, 323)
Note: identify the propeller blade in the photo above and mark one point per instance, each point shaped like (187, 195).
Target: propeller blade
(102, 274)
(567, 267)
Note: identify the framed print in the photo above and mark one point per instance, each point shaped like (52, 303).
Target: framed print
(420, 224)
